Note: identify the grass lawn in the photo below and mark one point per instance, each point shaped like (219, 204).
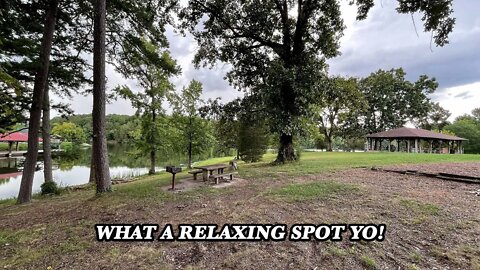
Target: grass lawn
(430, 223)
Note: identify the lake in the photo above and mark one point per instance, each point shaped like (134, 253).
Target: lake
(74, 168)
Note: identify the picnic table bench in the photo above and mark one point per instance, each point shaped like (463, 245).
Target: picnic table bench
(209, 169)
(195, 172)
(218, 176)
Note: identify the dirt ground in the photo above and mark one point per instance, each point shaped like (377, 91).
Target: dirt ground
(468, 169)
(431, 224)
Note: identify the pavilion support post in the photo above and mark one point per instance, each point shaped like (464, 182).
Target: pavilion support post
(431, 146)
(389, 145)
(416, 146)
(408, 145)
(448, 143)
(398, 145)
(10, 146)
(16, 147)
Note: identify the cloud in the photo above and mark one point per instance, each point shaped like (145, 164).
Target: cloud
(388, 40)
(464, 95)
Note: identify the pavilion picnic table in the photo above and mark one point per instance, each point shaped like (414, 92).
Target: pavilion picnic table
(208, 170)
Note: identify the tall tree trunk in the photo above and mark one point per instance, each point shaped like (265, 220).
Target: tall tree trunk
(190, 128)
(190, 154)
(286, 152)
(47, 149)
(99, 151)
(25, 193)
(154, 133)
(91, 178)
(328, 143)
(152, 162)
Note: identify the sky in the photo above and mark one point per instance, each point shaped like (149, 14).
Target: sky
(385, 40)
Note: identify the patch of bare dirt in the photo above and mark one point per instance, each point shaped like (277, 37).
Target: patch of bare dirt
(465, 169)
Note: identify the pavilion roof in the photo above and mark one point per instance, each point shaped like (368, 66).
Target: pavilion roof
(15, 137)
(404, 132)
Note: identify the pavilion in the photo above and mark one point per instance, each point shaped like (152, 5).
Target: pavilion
(414, 140)
(14, 137)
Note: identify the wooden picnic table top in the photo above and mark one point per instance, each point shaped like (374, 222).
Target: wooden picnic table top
(212, 167)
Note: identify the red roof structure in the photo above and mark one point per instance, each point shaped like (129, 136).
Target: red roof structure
(15, 137)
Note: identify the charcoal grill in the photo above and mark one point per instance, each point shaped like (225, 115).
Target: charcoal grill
(173, 170)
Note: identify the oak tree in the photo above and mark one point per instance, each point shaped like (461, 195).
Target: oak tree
(277, 48)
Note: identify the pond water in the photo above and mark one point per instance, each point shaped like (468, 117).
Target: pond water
(74, 168)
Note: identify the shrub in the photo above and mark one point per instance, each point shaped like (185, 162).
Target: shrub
(50, 187)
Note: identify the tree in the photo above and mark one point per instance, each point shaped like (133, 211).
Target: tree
(69, 132)
(393, 101)
(467, 127)
(193, 128)
(253, 140)
(25, 192)
(226, 123)
(20, 41)
(99, 147)
(436, 119)
(338, 98)
(47, 149)
(278, 47)
(152, 69)
(476, 113)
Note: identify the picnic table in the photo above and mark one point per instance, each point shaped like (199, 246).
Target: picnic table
(210, 168)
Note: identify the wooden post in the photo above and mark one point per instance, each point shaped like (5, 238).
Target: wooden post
(389, 145)
(10, 145)
(408, 145)
(431, 146)
(398, 145)
(448, 142)
(416, 145)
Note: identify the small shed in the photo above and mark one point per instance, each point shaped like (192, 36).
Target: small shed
(414, 140)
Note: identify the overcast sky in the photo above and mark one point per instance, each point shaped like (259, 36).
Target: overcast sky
(384, 40)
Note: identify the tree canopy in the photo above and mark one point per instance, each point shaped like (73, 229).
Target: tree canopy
(278, 48)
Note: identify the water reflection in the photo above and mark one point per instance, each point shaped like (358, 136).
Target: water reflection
(73, 168)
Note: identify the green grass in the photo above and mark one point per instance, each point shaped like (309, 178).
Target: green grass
(368, 262)
(315, 162)
(317, 190)
(419, 212)
(4, 147)
(420, 207)
(415, 256)
(310, 163)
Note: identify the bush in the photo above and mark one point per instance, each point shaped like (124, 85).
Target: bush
(50, 187)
